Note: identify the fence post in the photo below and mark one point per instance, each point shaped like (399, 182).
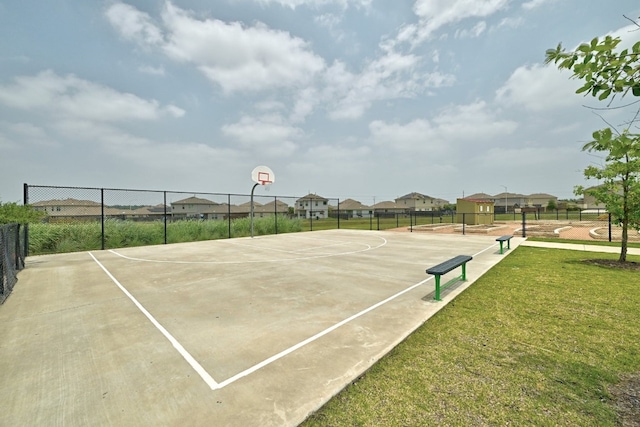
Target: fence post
(229, 213)
(102, 214)
(275, 212)
(610, 227)
(338, 214)
(410, 222)
(164, 203)
(464, 222)
(25, 196)
(524, 224)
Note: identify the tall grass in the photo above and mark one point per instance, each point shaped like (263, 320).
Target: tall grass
(84, 236)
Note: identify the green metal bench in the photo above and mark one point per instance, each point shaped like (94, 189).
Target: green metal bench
(503, 239)
(445, 267)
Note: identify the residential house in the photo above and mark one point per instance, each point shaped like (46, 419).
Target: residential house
(350, 208)
(192, 208)
(148, 213)
(75, 209)
(277, 207)
(312, 205)
(416, 202)
(387, 208)
(540, 200)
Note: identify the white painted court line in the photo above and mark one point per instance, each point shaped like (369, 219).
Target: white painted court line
(300, 258)
(215, 385)
(184, 353)
(328, 330)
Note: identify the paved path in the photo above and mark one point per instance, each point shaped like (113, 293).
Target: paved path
(580, 247)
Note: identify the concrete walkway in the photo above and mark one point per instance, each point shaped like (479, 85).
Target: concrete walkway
(580, 247)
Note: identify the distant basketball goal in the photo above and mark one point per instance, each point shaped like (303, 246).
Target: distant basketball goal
(263, 175)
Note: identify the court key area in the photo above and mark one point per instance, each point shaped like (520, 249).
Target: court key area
(241, 332)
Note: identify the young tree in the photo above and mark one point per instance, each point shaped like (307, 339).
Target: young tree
(620, 191)
(605, 72)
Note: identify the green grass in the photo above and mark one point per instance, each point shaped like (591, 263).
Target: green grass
(538, 340)
(371, 223)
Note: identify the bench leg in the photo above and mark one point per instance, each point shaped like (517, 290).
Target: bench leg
(464, 271)
(437, 298)
(509, 244)
(500, 247)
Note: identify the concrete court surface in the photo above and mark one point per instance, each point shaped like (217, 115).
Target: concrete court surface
(240, 332)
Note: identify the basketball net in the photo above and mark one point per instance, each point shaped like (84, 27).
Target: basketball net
(266, 185)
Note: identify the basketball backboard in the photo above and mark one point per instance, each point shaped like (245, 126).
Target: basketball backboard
(263, 175)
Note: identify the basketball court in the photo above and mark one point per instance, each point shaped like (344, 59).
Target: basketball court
(242, 332)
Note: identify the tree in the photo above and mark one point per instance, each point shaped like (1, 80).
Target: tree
(620, 191)
(551, 205)
(21, 214)
(607, 73)
(604, 71)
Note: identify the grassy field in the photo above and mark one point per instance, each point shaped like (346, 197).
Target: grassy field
(539, 340)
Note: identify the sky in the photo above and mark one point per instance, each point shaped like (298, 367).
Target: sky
(361, 99)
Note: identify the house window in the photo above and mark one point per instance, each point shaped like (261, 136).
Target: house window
(481, 208)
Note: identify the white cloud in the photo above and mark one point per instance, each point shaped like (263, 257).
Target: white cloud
(235, 56)
(436, 14)
(316, 3)
(453, 127)
(539, 88)
(13, 135)
(134, 25)
(154, 71)
(533, 4)
(390, 76)
(71, 96)
(268, 134)
(474, 32)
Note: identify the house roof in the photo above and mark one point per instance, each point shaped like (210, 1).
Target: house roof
(312, 196)
(480, 196)
(468, 199)
(542, 195)
(66, 202)
(271, 207)
(194, 201)
(387, 205)
(414, 196)
(350, 204)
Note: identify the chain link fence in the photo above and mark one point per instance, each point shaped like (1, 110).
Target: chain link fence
(11, 257)
(81, 218)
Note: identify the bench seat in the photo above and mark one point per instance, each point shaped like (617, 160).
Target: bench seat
(502, 239)
(447, 266)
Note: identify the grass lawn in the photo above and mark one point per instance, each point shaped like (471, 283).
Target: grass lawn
(540, 340)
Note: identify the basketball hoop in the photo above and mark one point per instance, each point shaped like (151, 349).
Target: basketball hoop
(263, 176)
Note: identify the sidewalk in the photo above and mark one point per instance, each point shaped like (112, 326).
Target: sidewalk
(580, 247)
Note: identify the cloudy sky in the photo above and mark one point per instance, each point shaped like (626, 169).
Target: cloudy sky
(363, 99)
